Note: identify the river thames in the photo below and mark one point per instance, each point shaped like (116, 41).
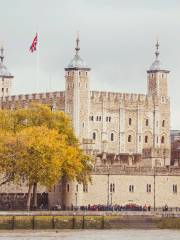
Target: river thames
(92, 235)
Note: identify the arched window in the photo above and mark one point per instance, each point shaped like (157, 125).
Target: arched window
(129, 138)
(162, 139)
(146, 139)
(147, 122)
(112, 137)
(130, 121)
(163, 123)
(94, 136)
(67, 187)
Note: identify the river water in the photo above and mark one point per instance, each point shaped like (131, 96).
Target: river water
(91, 235)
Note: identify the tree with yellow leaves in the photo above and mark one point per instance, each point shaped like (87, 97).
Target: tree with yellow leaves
(39, 147)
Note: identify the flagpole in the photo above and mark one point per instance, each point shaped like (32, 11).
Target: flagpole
(37, 64)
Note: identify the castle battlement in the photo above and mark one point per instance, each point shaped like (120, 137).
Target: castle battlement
(115, 96)
(124, 170)
(33, 96)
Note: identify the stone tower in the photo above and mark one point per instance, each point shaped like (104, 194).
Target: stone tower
(77, 94)
(157, 77)
(5, 77)
(158, 90)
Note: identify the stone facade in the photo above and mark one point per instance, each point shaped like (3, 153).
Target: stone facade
(124, 185)
(134, 129)
(113, 122)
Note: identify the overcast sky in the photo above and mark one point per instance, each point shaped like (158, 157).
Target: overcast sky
(117, 39)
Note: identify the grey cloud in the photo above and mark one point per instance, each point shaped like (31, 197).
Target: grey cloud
(117, 40)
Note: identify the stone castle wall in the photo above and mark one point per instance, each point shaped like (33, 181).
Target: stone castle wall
(110, 113)
(54, 100)
(154, 187)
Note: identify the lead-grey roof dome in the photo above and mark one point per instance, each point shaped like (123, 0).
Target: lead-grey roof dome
(3, 71)
(156, 65)
(77, 62)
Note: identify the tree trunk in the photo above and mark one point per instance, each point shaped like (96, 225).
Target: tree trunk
(35, 196)
(28, 204)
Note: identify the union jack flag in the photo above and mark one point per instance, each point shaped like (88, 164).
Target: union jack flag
(33, 46)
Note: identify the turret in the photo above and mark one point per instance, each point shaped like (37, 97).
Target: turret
(5, 77)
(157, 77)
(77, 93)
(158, 89)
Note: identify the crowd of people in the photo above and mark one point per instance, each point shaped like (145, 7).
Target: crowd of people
(116, 207)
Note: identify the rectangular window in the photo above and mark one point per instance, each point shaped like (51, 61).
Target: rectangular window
(131, 188)
(175, 188)
(85, 188)
(148, 188)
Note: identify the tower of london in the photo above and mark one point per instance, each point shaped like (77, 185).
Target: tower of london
(128, 134)
(110, 122)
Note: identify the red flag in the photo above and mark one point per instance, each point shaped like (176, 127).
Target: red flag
(33, 46)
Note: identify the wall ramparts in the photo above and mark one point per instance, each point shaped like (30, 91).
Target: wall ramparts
(33, 96)
(119, 97)
(148, 171)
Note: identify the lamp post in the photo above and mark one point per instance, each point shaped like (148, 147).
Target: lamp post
(76, 200)
(111, 197)
(154, 189)
(108, 173)
(164, 155)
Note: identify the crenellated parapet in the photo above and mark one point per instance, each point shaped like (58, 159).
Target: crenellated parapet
(33, 96)
(120, 97)
(147, 171)
(54, 99)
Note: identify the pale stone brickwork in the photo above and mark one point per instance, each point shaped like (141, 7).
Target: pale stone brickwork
(119, 124)
(154, 187)
(116, 122)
